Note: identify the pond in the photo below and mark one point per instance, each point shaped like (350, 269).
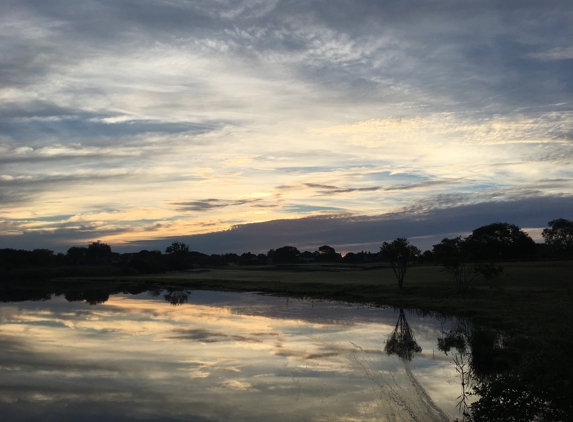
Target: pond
(214, 356)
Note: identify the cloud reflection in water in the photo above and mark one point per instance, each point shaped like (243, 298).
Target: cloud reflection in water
(223, 355)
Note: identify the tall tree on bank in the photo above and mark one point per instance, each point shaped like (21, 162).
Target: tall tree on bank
(559, 236)
(286, 254)
(96, 251)
(179, 256)
(499, 241)
(453, 256)
(400, 254)
(177, 248)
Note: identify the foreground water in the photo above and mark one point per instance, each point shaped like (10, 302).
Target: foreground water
(222, 356)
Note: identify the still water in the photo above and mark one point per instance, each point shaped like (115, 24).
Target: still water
(221, 356)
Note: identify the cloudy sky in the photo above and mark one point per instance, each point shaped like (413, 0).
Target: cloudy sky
(241, 125)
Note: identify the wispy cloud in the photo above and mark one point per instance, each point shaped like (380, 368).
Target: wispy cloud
(556, 53)
(208, 336)
(212, 203)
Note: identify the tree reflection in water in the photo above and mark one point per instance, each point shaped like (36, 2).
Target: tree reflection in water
(457, 338)
(478, 355)
(177, 296)
(172, 295)
(93, 297)
(402, 342)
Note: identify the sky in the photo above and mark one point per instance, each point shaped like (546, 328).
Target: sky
(246, 125)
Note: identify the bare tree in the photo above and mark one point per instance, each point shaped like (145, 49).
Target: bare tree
(400, 254)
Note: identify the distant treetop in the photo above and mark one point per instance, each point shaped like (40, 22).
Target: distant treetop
(559, 235)
(499, 241)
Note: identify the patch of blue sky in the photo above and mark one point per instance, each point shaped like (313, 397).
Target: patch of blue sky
(564, 172)
(75, 128)
(53, 218)
(381, 175)
(389, 176)
(477, 186)
(40, 323)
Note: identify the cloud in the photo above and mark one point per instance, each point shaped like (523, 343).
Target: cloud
(6, 180)
(71, 127)
(238, 385)
(557, 53)
(295, 108)
(20, 190)
(323, 351)
(330, 190)
(428, 221)
(207, 336)
(458, 127)
(11, 197)
(213, 203)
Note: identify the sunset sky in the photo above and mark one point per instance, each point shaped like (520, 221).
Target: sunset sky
(247, 125)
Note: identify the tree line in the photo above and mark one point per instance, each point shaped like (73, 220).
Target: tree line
(97, 258)
(464, 258)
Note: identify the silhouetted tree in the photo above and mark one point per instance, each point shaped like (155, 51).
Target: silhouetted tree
(400, 254)
(360, 257)
(96, 251)
(230, 258)
(248, 259)
(177, 247)
(401, 341)
(77, 255)
(327, 254)
(351, 258)
(559, 236)
(11, 259)
(284, 254)
(215, 260)
(307, 256)
(427, 256)
(450, 248)
(499, 241)
(453, 256)
(43, 257)
(179, 256)
(326, 250)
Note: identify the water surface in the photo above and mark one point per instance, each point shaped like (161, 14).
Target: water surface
(221, 356)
